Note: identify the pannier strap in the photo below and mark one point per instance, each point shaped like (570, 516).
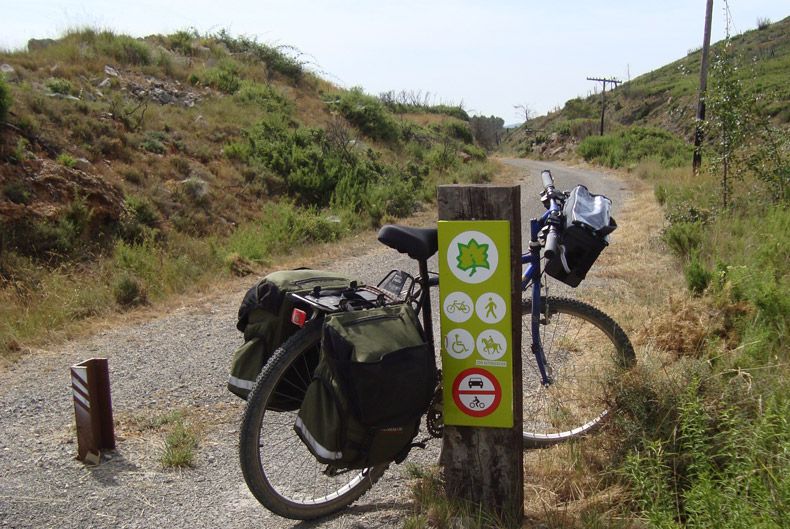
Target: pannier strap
(417, 243)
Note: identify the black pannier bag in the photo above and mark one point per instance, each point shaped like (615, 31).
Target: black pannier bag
(587, 222)
(374, 381)
(265, 320)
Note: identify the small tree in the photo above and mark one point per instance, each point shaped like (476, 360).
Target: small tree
(523, 111)
(743, 140)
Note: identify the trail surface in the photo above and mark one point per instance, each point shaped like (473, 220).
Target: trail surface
(178, 362)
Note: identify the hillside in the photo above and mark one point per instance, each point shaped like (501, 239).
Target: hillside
(134, 168)
(667, 97)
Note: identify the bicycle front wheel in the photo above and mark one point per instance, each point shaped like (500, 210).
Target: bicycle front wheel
(585, 351)
(278, 468)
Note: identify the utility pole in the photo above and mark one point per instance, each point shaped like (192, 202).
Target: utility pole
(703, 86)
(613, 81)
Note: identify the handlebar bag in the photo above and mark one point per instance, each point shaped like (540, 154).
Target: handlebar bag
(265, 319)
(375, 378)
(586, 224)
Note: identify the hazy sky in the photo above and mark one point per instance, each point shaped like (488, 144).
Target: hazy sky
(490, 54)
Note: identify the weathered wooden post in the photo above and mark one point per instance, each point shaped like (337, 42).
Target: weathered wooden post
(480, 296)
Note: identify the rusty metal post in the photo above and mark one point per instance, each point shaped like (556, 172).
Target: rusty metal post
(90, 385)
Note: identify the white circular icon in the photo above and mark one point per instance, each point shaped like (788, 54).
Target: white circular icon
(459, 343)
(472, 257)
(490, 307)
(491, 344)
(458, 307)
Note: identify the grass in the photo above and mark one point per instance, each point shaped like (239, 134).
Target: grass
(181, 441)
(703, 433)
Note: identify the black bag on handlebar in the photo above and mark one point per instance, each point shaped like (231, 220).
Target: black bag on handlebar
(586, 224)
(375, 379)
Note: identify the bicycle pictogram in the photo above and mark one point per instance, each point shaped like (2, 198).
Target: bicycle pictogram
(459, 306)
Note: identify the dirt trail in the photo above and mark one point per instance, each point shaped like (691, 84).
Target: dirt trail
(178, 361)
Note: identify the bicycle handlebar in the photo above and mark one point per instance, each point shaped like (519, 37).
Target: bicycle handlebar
(552, 239)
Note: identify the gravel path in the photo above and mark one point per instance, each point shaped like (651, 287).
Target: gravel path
(174, 362)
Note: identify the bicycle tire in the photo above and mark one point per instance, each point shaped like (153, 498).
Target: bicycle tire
(585, 349)
(279, 470)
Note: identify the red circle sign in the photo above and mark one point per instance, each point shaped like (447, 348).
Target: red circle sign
(476, 392)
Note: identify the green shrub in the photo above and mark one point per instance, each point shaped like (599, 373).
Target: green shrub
(128, 291)
(276, 59)
(224, 77)
(5, 99)
(59, 86)
(697, 276)
(263, 96)
(683, 238)
(368, 114)
(631, 145)
(17, 192)
(66, 160)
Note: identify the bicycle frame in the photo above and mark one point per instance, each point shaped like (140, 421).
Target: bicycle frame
(532, 274)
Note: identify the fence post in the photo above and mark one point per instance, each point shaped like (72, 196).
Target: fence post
(90, 385)
(481, 456)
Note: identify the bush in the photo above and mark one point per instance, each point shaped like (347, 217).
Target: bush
(683, 238)
(275, 58)
(59, 86)
(634, 144)
(128, 291)
(5, 99)
(368, 114)
(224, 77)
(697, 276)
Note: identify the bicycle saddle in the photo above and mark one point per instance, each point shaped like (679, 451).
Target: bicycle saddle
(417, 243)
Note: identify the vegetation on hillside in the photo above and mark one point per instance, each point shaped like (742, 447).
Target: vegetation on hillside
(666, 98)
(131, 169)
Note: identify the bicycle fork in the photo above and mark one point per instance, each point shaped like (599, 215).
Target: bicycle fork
(533, 274)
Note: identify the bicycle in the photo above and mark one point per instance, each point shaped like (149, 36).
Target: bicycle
(576, 348)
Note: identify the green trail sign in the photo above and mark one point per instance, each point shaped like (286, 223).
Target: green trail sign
(476, 323)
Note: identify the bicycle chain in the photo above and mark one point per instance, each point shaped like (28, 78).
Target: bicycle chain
(434, 420)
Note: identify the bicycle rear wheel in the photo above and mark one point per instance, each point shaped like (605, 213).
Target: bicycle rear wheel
(279, 470)
(584, 349)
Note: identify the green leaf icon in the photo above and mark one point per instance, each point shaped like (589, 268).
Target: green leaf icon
(472, 256)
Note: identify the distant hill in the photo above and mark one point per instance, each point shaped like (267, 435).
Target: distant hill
(667, 97)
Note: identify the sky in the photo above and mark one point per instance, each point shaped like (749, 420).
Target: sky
(488, 55)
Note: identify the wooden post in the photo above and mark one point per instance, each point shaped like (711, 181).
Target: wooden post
(614, 82)
(699, 133)
(484, 465)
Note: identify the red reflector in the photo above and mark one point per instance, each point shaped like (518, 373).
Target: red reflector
(298, 317)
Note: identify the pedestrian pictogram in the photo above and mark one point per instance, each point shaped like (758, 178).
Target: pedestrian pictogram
(477, 392)
(490, 308)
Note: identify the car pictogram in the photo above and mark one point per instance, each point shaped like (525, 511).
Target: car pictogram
(475, 382)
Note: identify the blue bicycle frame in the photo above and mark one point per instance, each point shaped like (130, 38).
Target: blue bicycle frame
(532, 274)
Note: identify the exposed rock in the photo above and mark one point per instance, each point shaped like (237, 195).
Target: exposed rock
(105, 83)
(82, 164)
(8, 71)
(109, 70)
(52, 187)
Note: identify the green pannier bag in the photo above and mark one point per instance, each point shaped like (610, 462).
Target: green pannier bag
(265, 320)
(374, 380)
